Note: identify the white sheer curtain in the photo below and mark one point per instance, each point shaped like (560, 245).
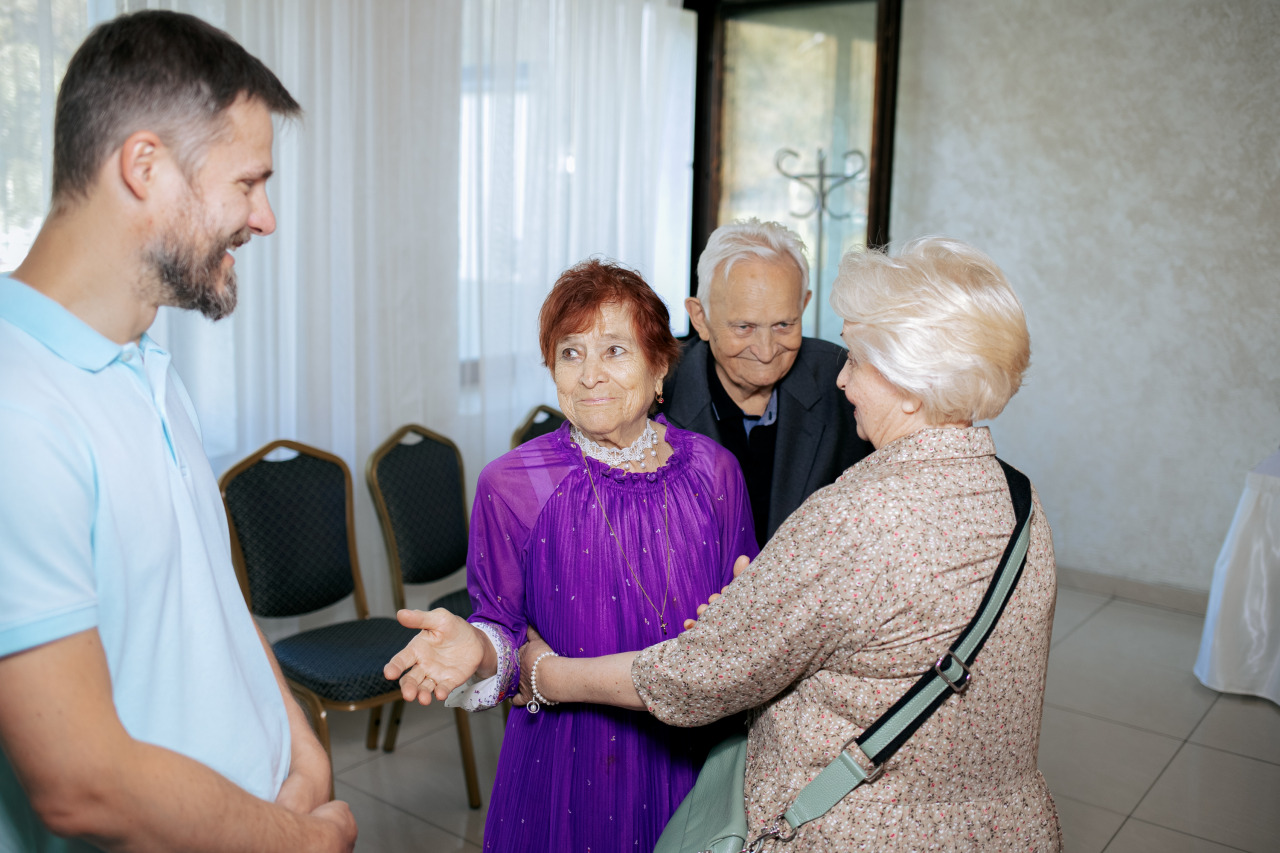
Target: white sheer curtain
(577, 142)
(345, 325)
(453, 159)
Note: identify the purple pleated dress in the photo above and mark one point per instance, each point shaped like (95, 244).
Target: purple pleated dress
(577, 777)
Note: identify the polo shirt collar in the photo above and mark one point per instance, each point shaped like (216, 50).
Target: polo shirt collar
(64, 333)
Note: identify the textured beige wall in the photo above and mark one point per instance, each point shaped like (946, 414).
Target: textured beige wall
(1121, 161)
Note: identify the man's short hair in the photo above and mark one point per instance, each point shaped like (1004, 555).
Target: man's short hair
(749, 240)
(156, 70)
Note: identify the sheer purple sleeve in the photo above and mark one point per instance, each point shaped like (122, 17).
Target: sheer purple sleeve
(495, 574)
(510, 494)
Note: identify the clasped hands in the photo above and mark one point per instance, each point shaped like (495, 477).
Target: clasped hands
(449, 650)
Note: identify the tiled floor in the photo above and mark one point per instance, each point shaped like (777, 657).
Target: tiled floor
(1139, 755)
(1141, 758)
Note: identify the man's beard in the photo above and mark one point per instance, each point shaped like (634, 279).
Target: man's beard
(193, 283)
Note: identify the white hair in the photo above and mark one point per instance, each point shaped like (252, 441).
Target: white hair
(940, 322)
(748, 239)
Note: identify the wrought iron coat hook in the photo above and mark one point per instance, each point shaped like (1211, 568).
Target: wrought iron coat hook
(828, 182)
(855, 166)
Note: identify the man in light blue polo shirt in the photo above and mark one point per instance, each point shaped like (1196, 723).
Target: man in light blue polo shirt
(140, 707)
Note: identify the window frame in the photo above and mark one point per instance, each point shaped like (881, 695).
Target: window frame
(708, 103)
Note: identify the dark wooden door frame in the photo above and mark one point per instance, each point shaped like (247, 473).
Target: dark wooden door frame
(888, 36)
(707, 129)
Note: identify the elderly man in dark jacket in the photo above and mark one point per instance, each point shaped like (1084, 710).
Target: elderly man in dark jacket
(752, 382)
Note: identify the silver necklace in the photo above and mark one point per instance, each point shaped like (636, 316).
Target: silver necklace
(666, 530)
(616, 457)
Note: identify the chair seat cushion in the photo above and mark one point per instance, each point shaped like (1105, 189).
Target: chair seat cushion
(458, 603)
(343, 662)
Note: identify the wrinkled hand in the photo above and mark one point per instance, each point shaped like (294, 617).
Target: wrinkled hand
(529, 652)
(445, 654)
(739, 566)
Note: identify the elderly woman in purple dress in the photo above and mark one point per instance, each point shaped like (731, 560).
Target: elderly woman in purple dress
(605, 535)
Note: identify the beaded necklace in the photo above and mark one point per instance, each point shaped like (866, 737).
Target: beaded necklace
(616, 457)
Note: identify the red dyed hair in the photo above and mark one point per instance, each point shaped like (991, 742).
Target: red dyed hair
(574, 304)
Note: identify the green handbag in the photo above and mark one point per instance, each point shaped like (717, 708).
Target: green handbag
(713, 817)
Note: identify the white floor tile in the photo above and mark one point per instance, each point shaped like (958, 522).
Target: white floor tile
(386, 829)
(1098, 762)
(424, 777)
(1245, 725)
(1072, 609)
(1163, 699)
(1139, 837)
(1085, 828)
(1218, 796)
(1145, 633)
(347, 730)
(418, 720)
(1132, 664)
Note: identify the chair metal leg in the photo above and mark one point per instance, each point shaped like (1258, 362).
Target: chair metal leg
(463, 721)
(375, 722)
(393, 727)
(322, 730)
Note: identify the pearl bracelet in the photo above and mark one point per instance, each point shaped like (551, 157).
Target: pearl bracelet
(538, 699)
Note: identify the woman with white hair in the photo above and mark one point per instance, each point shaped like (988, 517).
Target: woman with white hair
(866, 586)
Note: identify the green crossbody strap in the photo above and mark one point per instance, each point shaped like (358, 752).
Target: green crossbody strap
(949, 675)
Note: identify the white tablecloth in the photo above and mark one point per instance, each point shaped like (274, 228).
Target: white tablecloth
(1240, 648)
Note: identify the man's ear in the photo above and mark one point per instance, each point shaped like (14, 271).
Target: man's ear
(804, 303)
(140, 158)
(698, 317)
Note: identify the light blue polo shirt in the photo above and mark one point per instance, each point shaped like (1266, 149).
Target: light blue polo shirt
(110, 517)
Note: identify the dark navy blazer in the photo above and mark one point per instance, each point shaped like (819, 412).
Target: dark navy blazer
(817, 437)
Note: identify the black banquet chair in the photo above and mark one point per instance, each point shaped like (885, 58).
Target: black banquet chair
(416, 480)
(293, 545)
(541, 420)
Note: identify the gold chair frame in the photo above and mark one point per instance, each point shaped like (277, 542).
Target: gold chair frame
(461, 718)
(316, 707)
(529, 421)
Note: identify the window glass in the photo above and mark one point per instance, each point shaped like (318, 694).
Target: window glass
(801, 78)
(37, 38)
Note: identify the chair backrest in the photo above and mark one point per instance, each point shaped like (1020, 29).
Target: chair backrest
(293, 531)
(542, 420)
(417, 484)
